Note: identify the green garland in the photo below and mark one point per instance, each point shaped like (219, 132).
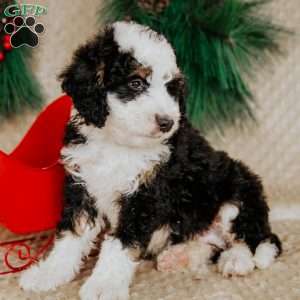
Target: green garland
(18, 86)
(218, 43)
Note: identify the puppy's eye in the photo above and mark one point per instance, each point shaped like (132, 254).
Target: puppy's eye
(136, 84)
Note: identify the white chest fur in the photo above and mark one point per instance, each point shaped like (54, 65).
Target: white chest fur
(109, 170)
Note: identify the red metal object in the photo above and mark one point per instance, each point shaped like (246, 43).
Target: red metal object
(23, 250)
(31, 183)
(31, 178)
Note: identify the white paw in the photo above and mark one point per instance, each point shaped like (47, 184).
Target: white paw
(265, 255)
(36, 279)
(237, 260)
(45, 276)
(102, 290)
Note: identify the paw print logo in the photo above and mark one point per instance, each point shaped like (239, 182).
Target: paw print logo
(24, 31)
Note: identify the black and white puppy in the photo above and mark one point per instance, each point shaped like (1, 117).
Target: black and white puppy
(139, 171)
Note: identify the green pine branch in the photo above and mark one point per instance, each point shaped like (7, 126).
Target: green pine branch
(19, 88)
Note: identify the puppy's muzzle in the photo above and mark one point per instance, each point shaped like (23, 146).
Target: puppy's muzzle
(164, 123)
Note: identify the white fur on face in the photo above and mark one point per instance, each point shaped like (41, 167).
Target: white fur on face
(112, 274)
(149, 48)
(134, 122)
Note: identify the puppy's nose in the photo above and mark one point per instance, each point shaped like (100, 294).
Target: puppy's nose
(165, 123)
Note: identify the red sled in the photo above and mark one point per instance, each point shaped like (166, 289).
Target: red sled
(31, 177)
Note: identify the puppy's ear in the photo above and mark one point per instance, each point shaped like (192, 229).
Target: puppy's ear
(84, 78)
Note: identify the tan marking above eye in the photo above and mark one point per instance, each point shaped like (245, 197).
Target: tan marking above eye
(143, 72)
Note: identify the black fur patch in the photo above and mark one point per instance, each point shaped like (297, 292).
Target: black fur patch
(188, 192)
(127, 93)
(72, 134)
(81, 79)
(120, 76)
(178, 89)
(77, 203)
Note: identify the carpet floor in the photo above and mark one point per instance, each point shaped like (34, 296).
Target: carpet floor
(280, 282)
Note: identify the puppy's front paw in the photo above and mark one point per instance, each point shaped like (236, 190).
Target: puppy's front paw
(36, 279)
(102, 290)
(237, 260)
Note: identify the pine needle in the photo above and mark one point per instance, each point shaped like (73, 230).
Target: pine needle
(18, 87)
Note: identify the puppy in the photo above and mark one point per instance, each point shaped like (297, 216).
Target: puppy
(138, 171)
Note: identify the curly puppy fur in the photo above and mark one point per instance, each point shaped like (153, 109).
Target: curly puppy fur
(138, 171)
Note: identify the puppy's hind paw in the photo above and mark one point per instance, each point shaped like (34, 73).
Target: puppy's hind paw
(237, 260)
(265, 255)
(172, 259)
